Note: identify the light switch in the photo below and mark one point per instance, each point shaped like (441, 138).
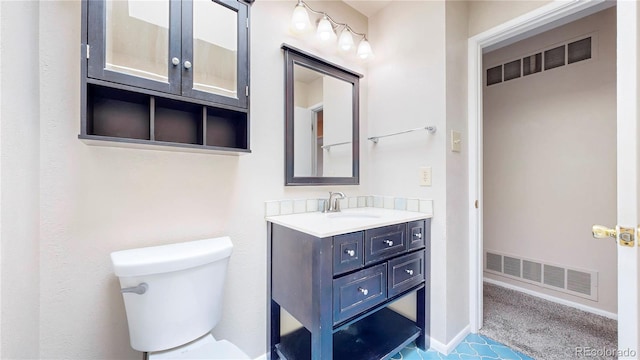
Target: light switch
(425, 176)
(456, 141)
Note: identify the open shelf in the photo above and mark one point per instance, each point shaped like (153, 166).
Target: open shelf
(366, 339)
(121, 117)
(117, 113)
(179, 122)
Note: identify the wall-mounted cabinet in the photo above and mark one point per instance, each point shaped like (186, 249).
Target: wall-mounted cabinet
(166, 72)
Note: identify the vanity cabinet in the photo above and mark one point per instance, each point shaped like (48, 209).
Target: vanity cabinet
(166, 73)
(338, 287)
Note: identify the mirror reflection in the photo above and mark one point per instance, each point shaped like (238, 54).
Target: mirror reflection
(322, 121)
(322, 124)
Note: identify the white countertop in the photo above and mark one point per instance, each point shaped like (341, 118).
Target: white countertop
(349, 220)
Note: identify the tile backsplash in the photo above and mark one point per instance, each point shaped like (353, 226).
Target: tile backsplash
(296, 206)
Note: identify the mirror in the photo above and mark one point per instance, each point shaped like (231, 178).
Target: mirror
(321, 121)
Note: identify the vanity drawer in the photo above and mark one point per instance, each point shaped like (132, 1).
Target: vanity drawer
(382, 243)
(416, 234)
(359, 291)
(347, 252)
(405, 272)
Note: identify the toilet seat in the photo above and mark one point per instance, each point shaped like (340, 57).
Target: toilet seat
(205, 348)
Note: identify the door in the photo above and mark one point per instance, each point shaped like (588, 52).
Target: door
(626, 231)
(628, 181)
(628, 159)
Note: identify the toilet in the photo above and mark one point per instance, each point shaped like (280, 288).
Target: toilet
(173, 298)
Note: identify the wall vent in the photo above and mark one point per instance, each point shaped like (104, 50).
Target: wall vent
(532, 271)
(559, 55)
(494, 262)
(512, 266)
(583, 283)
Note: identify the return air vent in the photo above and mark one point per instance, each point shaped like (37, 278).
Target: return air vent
(550, 58)
(512, 266)
(571, 281)
(494, 262)
(554, 276)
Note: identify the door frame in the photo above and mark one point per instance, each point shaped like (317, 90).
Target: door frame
(537, 21)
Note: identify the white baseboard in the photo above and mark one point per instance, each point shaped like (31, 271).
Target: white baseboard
(554, 299)
(449, 347)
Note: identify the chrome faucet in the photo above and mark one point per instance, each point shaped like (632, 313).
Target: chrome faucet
(332, 204)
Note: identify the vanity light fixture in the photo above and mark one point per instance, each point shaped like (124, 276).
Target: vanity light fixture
(326, 30)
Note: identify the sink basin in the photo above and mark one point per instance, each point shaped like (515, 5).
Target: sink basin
(352, 215)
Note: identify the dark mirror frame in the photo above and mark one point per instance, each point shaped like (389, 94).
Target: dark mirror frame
(293, 56)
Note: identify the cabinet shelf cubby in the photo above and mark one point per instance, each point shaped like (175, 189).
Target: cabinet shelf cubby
(122, 116)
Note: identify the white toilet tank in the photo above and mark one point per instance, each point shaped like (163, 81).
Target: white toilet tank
(182, 298)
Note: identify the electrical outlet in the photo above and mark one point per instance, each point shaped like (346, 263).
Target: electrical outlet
(425, 176)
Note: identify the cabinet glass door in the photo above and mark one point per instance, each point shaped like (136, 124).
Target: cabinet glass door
(214, 44)
(131, 43)
(137, 38)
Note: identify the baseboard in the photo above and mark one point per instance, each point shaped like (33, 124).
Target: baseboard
(449, 347)
(554, 299)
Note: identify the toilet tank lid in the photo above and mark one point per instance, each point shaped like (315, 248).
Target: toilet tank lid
(171, 257)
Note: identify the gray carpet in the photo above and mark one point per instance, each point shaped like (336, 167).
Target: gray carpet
(545, 330)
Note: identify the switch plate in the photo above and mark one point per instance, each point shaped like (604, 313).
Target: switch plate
(425, 176)
(456, 141)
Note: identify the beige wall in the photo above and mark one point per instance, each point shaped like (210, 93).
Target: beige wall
(550, 159)
(485, 14)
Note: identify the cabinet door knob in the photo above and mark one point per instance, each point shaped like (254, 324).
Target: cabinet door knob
(364, 291)
(388, 242)
(187, 64)
(409, 271)
(418, 235)
(350, 252)
(175, 61)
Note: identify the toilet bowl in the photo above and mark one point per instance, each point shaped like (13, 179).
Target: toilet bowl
(206, 347)
(173, 298)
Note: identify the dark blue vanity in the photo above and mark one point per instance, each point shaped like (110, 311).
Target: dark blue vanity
(339, 287)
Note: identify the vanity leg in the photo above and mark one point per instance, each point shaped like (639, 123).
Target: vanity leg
(322, 344)
(422, 341)
(274, 329)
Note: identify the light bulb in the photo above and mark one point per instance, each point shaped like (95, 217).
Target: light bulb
(364, 50)
(300, 19)
(346, 40)
(325, 30)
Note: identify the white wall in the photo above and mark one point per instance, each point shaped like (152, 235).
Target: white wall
(95, 200)
(19, 163)
(90, 201)
(550, 159)
(417, 79)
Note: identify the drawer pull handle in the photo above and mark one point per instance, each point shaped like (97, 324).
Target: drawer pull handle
(418, 235)
(409, 271)
(350, 252)
(388, 242)
(364, 291)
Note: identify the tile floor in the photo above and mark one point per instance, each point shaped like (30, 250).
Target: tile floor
(474, 347)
